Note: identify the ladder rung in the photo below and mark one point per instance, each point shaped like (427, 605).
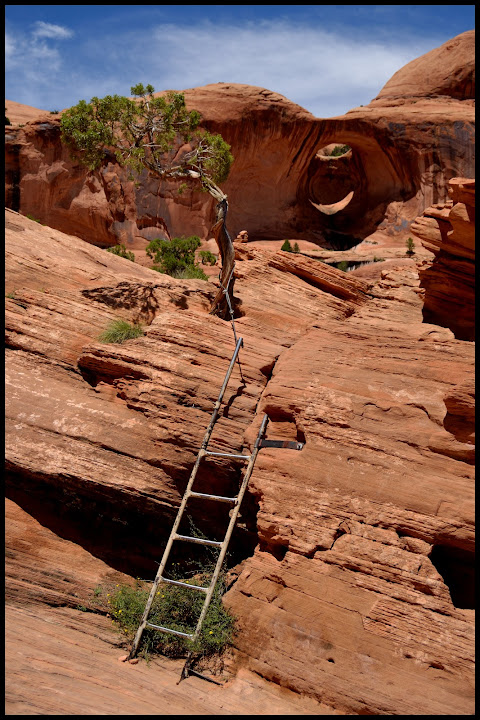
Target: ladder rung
(200, 541)
(169, 630)
(220, 498)
(231, 455)
(184, 584)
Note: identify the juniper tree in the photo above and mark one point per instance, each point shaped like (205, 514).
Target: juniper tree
(159, 134)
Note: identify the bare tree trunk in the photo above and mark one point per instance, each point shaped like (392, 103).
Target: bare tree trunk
(220, 304)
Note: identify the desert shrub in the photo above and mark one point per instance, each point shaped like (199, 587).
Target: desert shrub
(120, 330)
(296, 248)
(378, 259)
(30, 217)
(7, 121)
(54, 112)
(207, 257)
(339, 150)
(122, 251)
(176, 257)
(287, 246)
(410, 246)
(343, 265)
(177, 608)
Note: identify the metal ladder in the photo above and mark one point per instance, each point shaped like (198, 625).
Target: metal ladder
(222, 545)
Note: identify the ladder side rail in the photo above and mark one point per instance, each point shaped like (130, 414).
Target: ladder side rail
(233, 519)
(201, 453)
(216, 408)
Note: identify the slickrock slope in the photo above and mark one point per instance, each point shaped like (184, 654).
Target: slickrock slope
(406, 145)
(352, 564)
(448, 230)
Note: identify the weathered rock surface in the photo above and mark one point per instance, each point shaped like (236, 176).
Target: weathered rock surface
(448, 230)
(405, 148)
(352, 563)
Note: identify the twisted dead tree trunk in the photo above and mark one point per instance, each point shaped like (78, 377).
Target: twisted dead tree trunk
(223, 300)
(220, 305)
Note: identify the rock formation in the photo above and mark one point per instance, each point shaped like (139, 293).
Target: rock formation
(351, 568)
(448, 230)
(405, 146)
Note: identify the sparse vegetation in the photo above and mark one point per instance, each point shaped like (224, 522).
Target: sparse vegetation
(54, 112)
(120, 330)
(296, 248)
(340, 150)
(122, 251)
(207, 257)
(174, 607)
(177, 608)
(7, 121)
(378, 259)
(30, 217)
(287, 247)
(176, 257)
(342, 265)
(410, 246)
(11, 295)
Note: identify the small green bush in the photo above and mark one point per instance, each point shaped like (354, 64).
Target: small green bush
(410, 246)
(343, 265)
(176, 257)
(296, 248)
(377, 259)
(30, 217)
(177, 608)
(286, 247)
(120, 330)
(54, 112)
(207, 257)
(122, 251)
(339, 150)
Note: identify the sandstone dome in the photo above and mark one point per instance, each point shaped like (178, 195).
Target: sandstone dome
(446, 70)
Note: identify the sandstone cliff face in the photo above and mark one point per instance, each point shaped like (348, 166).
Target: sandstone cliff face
(448, 230)
(352, 564)
(406, 145)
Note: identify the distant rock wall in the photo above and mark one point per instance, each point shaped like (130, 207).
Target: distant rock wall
(405, 149)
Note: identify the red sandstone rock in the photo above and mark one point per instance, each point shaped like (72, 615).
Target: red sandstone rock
(345, 594)
(431, 74)
(449, 282)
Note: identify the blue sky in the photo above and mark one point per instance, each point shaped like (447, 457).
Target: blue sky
(326, 58)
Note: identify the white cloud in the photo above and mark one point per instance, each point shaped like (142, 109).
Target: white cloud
(325, 72)
(47, 30)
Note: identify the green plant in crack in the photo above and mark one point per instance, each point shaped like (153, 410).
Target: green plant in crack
(120, 330)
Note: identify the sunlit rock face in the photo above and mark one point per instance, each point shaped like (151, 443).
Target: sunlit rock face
(405, 146)
(352, 567)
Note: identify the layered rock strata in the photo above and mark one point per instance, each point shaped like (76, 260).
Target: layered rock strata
(448, 230)
(351, 568)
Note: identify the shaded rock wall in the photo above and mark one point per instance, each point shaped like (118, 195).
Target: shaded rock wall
(449, 231)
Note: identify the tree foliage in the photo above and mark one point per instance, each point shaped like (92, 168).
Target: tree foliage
(156, 133)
